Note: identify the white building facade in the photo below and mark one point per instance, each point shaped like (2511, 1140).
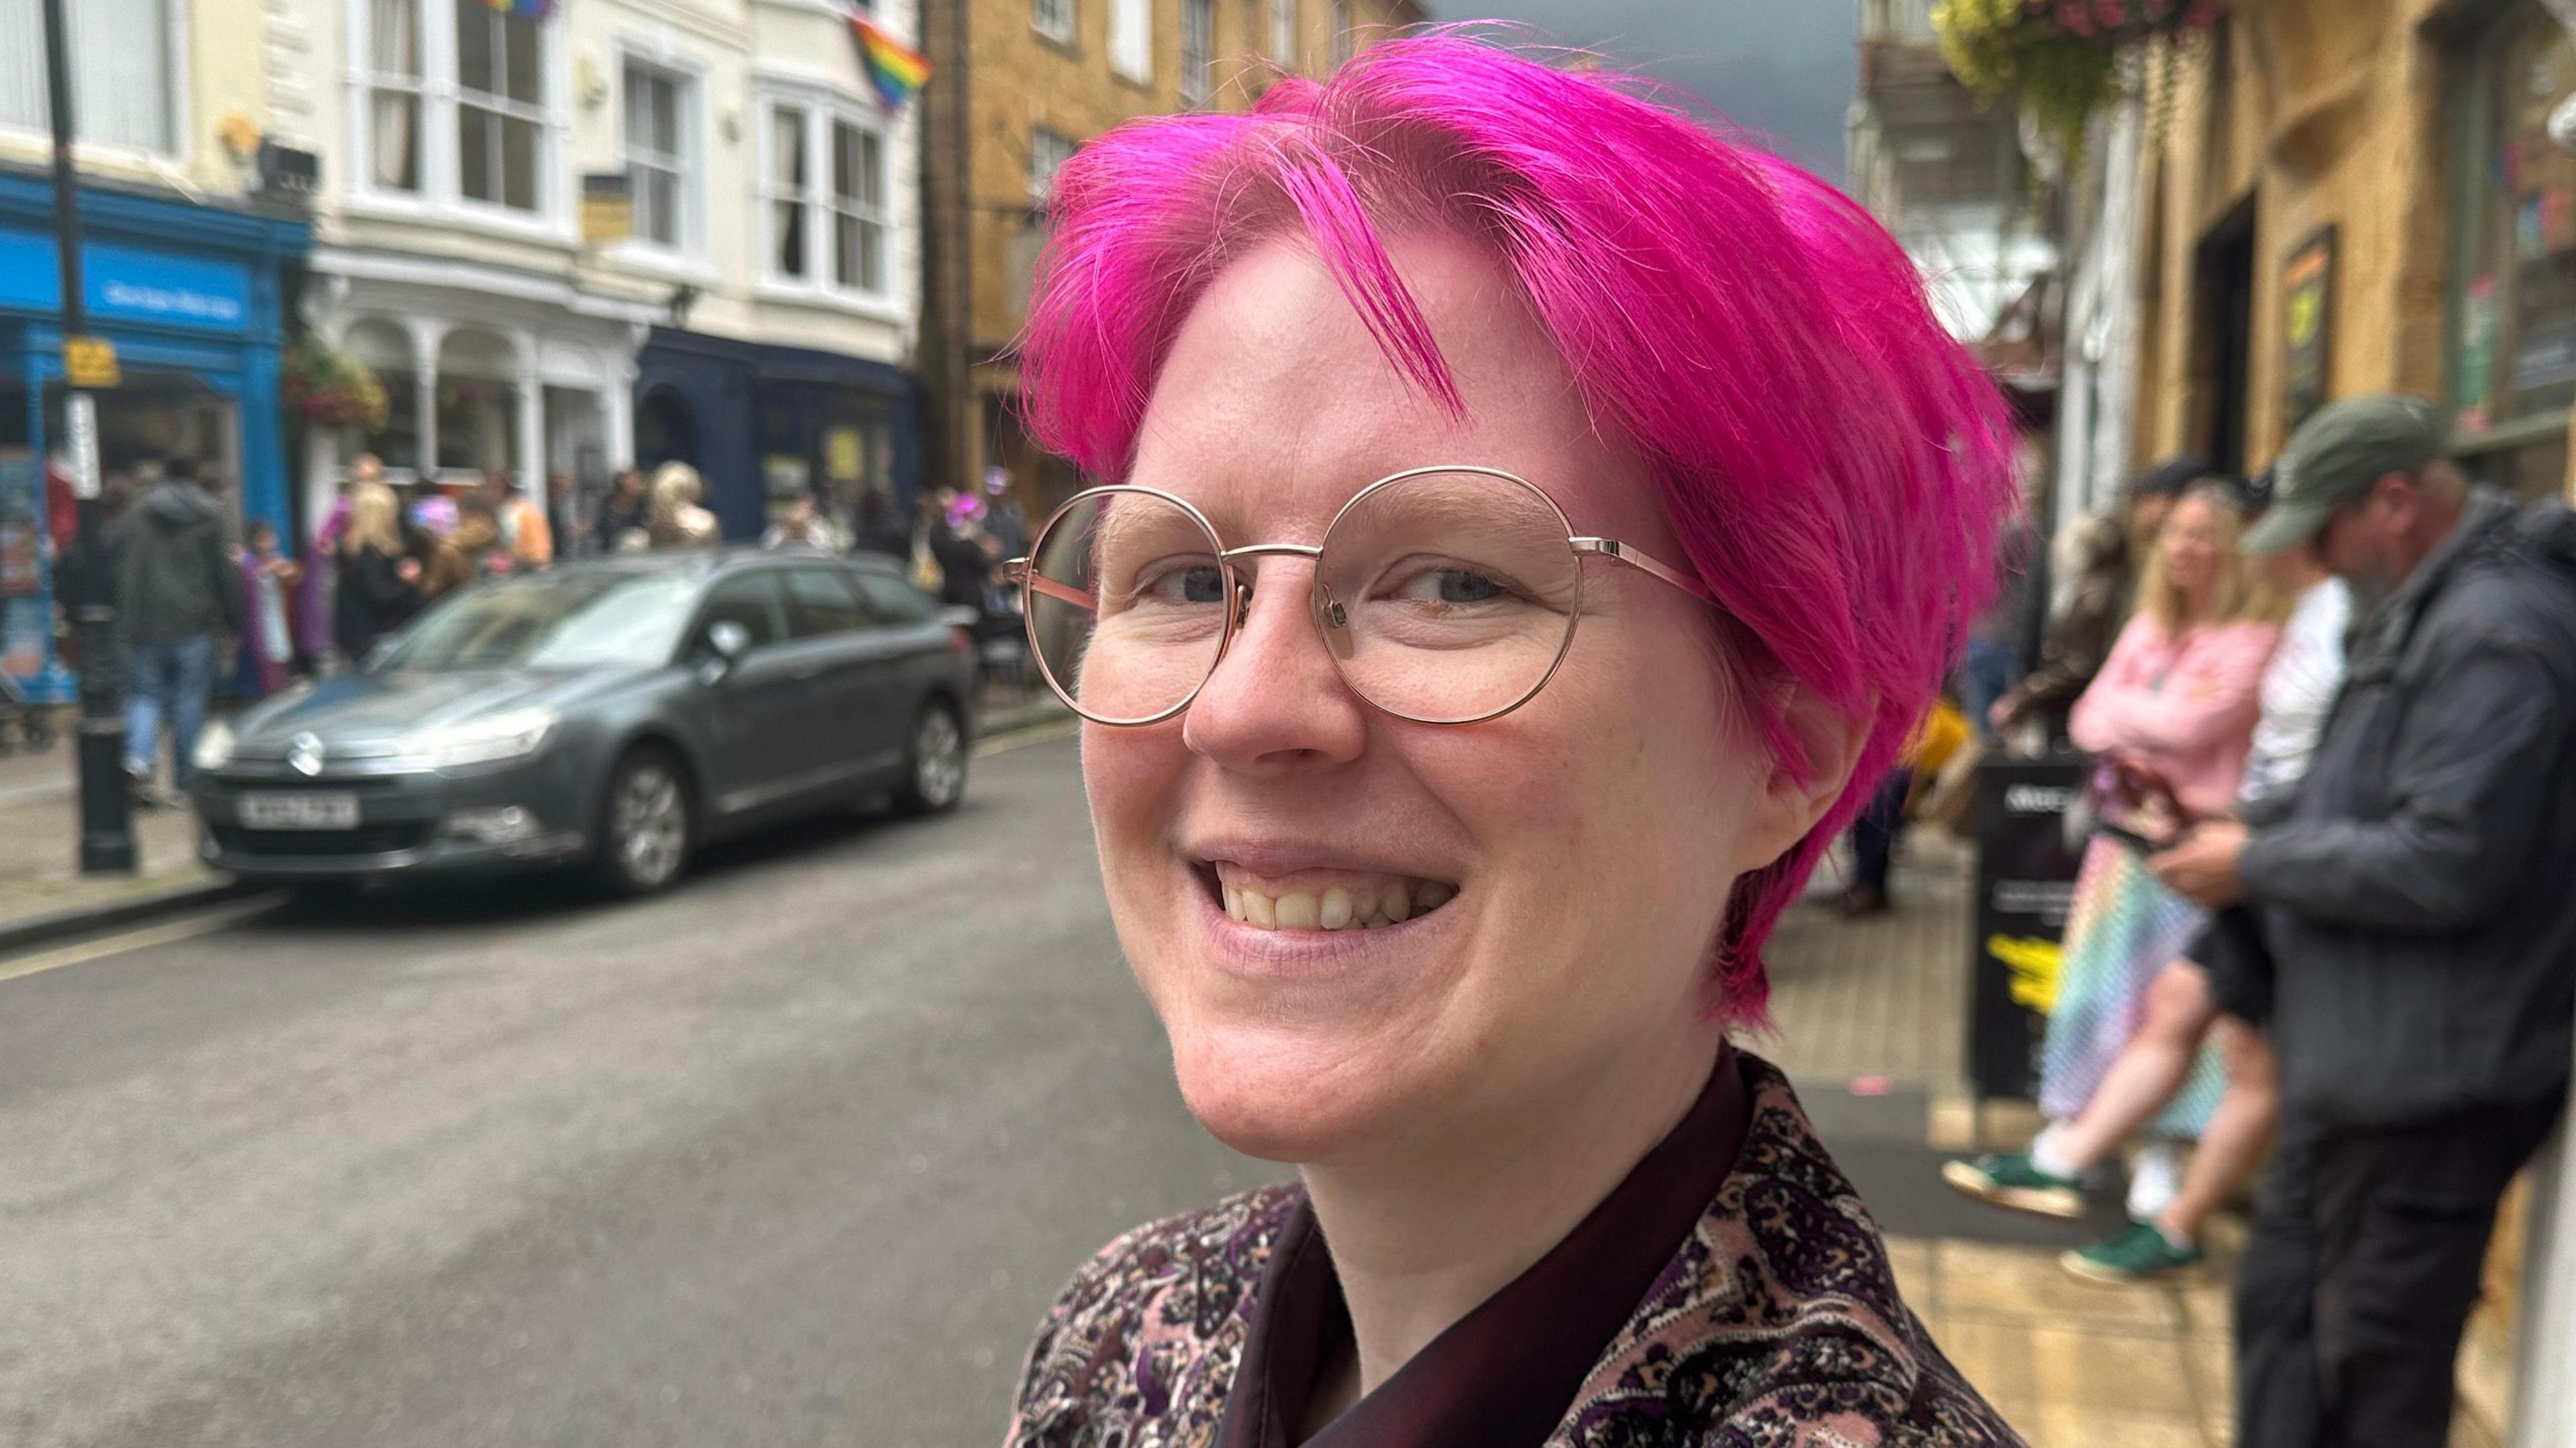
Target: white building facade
(773, 196)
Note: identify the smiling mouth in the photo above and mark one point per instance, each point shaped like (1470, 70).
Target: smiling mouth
(1342, 901)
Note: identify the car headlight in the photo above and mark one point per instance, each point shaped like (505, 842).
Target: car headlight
(512, 735)
(214, 746)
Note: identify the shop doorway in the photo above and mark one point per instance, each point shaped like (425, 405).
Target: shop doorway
(2223, 307)
(665, 432)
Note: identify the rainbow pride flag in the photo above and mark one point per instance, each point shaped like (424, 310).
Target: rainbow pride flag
(896, 69)
(527, 9)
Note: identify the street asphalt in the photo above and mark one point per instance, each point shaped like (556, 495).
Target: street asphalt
(796, 1154)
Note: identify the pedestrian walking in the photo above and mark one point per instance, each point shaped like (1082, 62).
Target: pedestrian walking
(2175, 705)
(2104, 595)
(675, 520)
(802, 525)
(1444, 834)
(177, 599)
(2416, 905)
(379, 579)
(272, 649)
(524, 538)
(623, 514)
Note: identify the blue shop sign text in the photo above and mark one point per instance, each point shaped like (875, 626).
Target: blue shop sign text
(124, 284)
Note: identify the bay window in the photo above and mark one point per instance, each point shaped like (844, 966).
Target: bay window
(122, 82)
(452, 106)
(500, 106)
(824, 199)
(659, 156)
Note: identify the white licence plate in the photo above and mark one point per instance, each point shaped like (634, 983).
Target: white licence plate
(307, 810)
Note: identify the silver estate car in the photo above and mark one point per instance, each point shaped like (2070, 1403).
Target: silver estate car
(616, 714)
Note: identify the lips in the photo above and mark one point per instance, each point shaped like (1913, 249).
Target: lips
(1325, 900)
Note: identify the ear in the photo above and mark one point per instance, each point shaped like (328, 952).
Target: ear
(1787, 800)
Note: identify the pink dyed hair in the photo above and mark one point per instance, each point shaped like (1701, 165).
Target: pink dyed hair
(1835, 465)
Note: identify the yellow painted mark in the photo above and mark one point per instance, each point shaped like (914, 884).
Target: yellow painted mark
(1023, 738)
(106, 945)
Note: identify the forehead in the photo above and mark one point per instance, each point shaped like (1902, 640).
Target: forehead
(1275, 403)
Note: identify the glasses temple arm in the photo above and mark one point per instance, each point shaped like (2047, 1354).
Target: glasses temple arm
(1018, 571)
(1617, 551)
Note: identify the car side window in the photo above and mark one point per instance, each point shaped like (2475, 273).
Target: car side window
(895, 601)
(752, 600)
(826, 600)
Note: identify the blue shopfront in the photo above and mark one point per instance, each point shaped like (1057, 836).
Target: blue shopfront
(192, 296)
(765, 425)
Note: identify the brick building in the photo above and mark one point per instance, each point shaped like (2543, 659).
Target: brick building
(1020, 84)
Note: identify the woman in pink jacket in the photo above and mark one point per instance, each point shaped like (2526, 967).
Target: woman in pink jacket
(2175, 702)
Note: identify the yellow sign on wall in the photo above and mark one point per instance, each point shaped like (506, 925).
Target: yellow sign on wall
(90, 362)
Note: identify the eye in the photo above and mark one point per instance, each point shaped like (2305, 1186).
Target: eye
(1447, 583)
(1182, 580)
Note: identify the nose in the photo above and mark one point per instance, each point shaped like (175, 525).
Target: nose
(1275, 699)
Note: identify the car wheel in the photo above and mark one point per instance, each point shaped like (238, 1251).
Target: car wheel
(644, 824)
(934, 764)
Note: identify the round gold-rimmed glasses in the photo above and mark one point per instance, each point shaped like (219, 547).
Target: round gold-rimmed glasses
(1445, 595)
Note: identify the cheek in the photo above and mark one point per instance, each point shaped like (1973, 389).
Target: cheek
(1129, 776)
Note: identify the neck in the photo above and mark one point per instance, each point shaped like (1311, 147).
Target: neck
(1424, 1231)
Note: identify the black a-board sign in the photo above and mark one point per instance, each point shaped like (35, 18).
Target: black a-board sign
(2025, 882)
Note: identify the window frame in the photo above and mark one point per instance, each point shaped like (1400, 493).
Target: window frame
(1140, 15)
(2472, 99)
(823, 110)
(1063, 31)
(179, 134)
(1345, 45)
(689, 168)
(441, 199)
(1283, 33)
(1042, 191)
(502, 108)
(861, 211)
(1198, 52)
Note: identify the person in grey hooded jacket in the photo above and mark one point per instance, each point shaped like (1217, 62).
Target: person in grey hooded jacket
(176, 595)
(2417, 905)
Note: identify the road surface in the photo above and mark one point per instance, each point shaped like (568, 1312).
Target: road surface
(795, 1154)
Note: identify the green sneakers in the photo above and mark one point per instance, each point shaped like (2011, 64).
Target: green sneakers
(2008, 1179)
(2140, 1253)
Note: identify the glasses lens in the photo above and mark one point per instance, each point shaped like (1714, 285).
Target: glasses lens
(1449, 597)
(1127, 605)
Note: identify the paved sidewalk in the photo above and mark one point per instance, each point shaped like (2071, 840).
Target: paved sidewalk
(1870, 1021)
(40, 840)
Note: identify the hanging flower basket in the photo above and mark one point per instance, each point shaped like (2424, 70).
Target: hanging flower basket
(331, 387)
(2062, 59)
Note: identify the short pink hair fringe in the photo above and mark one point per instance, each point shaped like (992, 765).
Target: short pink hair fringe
(1834, 463)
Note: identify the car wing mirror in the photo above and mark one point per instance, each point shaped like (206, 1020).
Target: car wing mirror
(727, 642)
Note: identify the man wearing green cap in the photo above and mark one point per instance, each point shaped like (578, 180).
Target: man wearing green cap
(2420, 904)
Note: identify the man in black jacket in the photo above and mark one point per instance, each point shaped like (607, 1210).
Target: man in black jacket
(2417, 901)
(177, 593)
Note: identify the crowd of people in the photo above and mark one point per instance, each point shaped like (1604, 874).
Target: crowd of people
(2322, 918)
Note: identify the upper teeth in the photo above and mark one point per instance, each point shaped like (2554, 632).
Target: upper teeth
(1339, 907)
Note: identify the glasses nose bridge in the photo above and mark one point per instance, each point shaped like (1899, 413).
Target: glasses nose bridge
(1321, 612)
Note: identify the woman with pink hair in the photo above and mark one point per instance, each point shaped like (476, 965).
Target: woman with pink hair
(1524, 516)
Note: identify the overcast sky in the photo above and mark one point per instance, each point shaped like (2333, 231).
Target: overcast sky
(1779, 66)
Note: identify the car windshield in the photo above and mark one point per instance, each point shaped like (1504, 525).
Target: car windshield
(552, 621)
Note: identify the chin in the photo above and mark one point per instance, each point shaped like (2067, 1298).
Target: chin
(1268, 1094)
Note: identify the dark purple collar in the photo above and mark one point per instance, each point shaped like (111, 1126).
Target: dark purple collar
(1503, 1375)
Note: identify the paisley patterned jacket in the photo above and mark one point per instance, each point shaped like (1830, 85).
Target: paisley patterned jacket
(1776, 1322)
